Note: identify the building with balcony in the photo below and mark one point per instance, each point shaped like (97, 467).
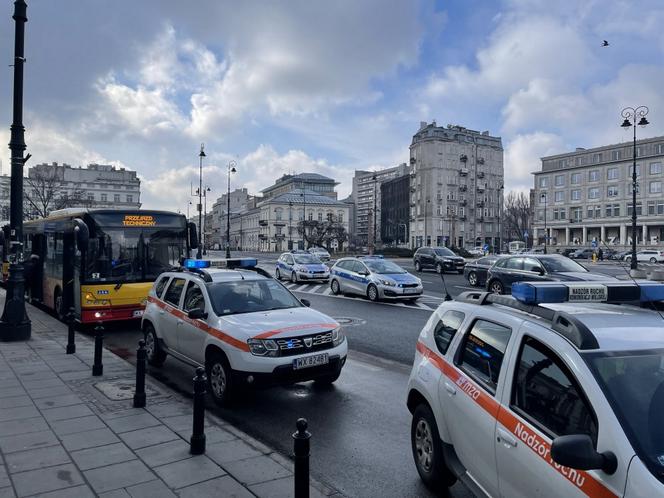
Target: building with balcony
(239, 202)
(366, 195)
(319, 184)
(586, 196)
(456, 180)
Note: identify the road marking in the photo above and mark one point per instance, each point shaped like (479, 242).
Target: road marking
(468, 288)
(423, 306)
(327, 291)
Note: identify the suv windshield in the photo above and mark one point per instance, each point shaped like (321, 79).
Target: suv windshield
(306, 259)
(249, 296)
(633, 382)
(561, 264)
(382, 266)
(443, 251)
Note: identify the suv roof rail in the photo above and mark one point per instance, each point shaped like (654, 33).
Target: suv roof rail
(563, 323)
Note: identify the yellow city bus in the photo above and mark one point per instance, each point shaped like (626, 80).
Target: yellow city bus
(102, 261)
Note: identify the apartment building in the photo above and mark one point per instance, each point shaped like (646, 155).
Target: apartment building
(456, 186)
(585, 196)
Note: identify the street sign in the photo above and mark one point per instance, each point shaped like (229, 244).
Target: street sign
(486, 247)
(525, 234)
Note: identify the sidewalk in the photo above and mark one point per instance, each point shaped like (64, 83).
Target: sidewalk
(64, 433)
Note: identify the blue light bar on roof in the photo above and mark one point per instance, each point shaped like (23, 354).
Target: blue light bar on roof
(232, 263)
(532, 293)
(190, 264)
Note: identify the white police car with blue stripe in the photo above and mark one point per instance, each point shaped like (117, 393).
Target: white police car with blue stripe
(299, 266)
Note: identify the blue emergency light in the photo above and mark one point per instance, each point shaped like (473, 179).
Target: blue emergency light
(196, 263)
(232, 263)
(532, 293)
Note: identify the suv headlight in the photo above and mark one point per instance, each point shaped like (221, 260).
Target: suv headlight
(388, 283)
(263, 347)
(337, 336)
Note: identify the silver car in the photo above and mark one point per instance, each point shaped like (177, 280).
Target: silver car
(375, 278)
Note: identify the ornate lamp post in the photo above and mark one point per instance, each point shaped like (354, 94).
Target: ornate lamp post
(630, 113)
(204, 227)
(231, 169)
(15, 324)
(546, 232)
(500, 208)
(199, 206)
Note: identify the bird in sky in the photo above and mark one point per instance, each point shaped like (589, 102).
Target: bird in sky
(605, 43)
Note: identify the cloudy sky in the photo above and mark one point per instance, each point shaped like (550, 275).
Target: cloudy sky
(324, 86)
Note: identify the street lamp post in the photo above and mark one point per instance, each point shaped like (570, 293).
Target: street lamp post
(546, 232)
(204, 227)
(231, 169)
(405, 233)
(304, 216)
(290, 225)
(199, 206)
(632, 113)
(15, 324)
(426, 204)
(500, 208)
(373, 177)
(188, 210)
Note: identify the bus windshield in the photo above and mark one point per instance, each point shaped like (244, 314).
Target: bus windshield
(136, 252)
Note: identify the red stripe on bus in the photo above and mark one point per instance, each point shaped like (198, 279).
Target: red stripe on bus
(539, 444)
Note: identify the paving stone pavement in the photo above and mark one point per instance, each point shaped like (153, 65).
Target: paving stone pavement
(61, 436)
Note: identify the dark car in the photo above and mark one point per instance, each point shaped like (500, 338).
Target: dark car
(567, 252)
(476, 271)
(536, 268)
(619, 255)
(440, 258)
(586, 253)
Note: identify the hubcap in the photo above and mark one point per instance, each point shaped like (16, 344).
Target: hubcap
(335, 286)
(293, 277)
(497, 288)
(439, 269)
(218, 380)
(372, 293)
(424, 445)
(149, 344)
(472, 279)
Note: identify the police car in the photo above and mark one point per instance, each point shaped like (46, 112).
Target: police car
(299, 266)
(243, 326)
(374, 277)
(550, 392)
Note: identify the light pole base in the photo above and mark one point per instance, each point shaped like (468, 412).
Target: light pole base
(20, 331)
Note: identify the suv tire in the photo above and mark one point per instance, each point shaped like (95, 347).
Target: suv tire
(293, 277)
(496, 286)
(334, 286)
(428, 450)
(472, 279)
(220, 383)
(155, 355)
(277, 274)
(372, 293)
(439, 268)
(653, 260)
(418, 267)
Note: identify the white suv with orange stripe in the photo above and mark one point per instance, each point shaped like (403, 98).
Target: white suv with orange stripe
(242, 325)
(550, 392)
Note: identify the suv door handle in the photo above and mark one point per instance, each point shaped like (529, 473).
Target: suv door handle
(450, 388)
(506, 438)
(161, 312)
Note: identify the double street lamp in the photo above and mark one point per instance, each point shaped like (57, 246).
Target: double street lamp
(199, 206)
(631, 115)
(231, 169)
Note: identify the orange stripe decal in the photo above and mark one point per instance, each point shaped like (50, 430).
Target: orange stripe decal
(270, 333)
(540, 445)
(243, 346)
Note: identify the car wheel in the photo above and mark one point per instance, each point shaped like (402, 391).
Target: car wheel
(155, 355)
(428, 450)
(418, 266)
(472, 278)
(372, 293)
(219, 379)
(293, 277)
(326, 380)
(496, 287)
(628, 258)
(277, 274)
(439, 268)
(653, 260)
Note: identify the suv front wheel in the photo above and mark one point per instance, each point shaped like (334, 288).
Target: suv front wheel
(220, 384)
(155, 355)
(428, 450)
(418, 266)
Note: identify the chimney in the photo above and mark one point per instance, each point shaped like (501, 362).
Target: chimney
(423, 124)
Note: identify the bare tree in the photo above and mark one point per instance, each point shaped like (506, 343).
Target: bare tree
(44, 192)
(323, 233)
(517, 215)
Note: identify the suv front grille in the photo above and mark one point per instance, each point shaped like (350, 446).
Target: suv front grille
(291, 346)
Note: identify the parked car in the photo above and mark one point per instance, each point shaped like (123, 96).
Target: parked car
(299, 267)
(649, 255)
(476, 271)
(440, 258)
(477, 251)
(536, 268)
(620, 255)
(320, 253)
(567, 252)
(585, 253)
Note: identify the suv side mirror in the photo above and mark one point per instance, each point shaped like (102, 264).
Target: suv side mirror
(306, 302)
(577, 452)
(197, 314)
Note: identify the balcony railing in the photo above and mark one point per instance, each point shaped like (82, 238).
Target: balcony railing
(463, 171)
(263, 223)
(463, 188)
(463, 158)
(480, 174)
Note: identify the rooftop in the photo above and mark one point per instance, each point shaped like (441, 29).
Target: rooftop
(310, 197)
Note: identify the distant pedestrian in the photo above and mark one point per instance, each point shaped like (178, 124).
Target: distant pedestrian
(600, 254)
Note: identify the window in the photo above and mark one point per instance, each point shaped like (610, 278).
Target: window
(612, 191)
(514, 264)
(544, 181)
(546, 393)
(159, 286)
(559, 180)
(575, 195)
(320, 216)
(575, 213)
(576, 178)
(630, 207)
(193, 298)
(593, 193)
(591, 211)
(660, 207)
(130, 198)
(655, 187)
(655, 168)
(104, 197)
(612, 210)
(559, 196)
(651, 207)
(278, 213)
(116, 197)
(174, 291)
(483, 352)
(630, 170)
(612, 174)
(593, 176)
(91, 197)
(597, 157)
(531, 264)
(559, 214)
(616, 155)
(446, 328)
(340, 216)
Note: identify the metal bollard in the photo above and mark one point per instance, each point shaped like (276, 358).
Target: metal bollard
(139, 395)
(97, 367)
(197, 441)
(71, 344)
(301, 453)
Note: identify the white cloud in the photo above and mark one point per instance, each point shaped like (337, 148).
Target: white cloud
(522, 157)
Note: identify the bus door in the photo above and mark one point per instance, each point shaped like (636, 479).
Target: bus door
(37, 257)
(68, 273)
